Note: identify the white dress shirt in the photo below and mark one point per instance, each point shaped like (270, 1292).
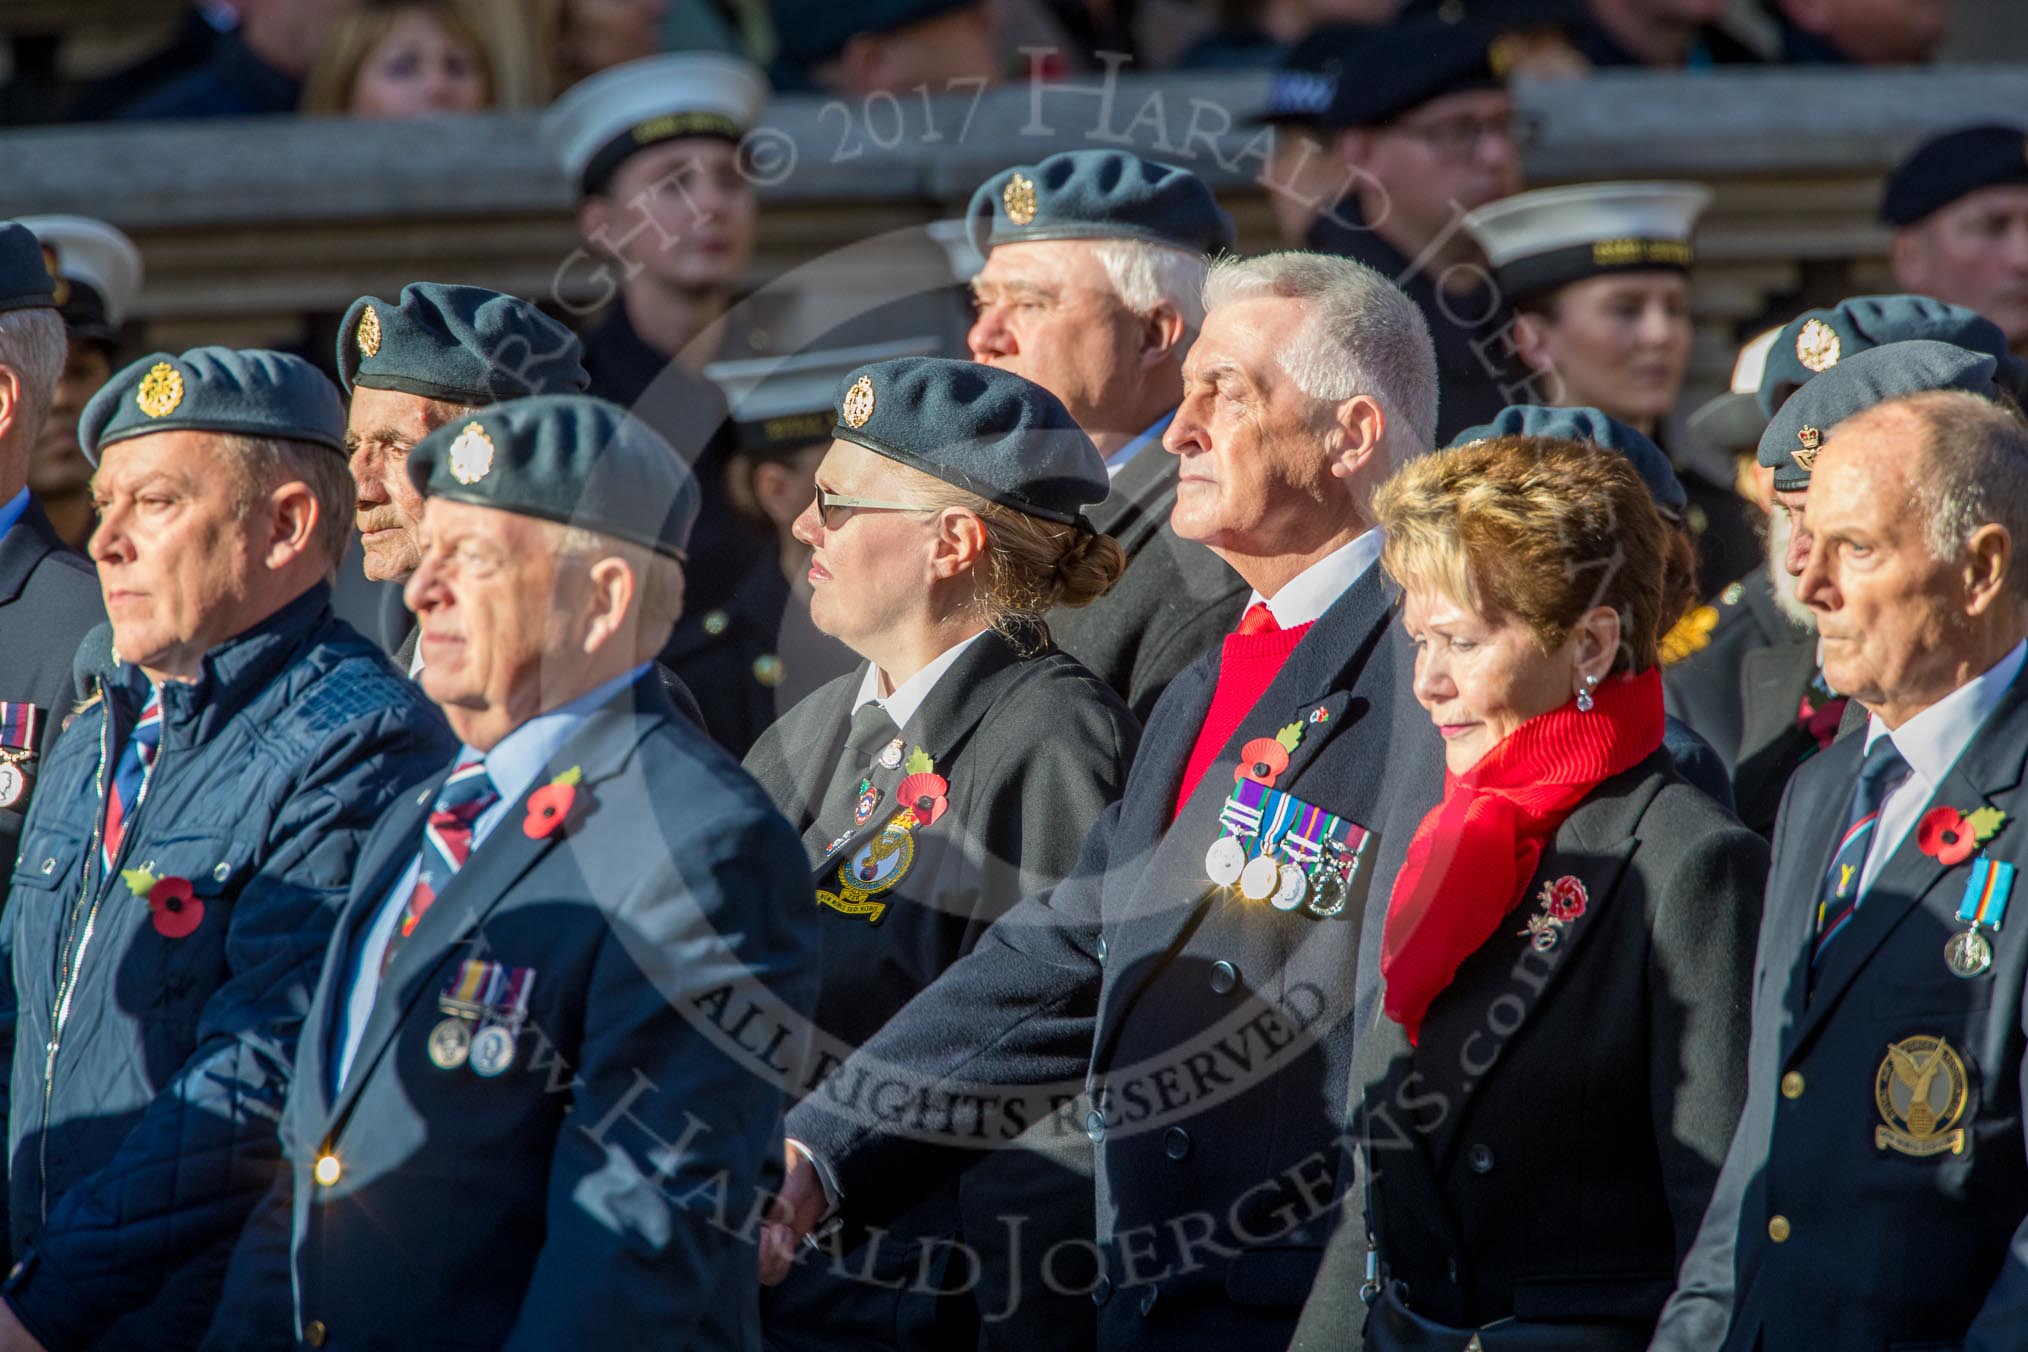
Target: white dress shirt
(1306, 596)
(513, 765)
(909, 695)
(1931, 743)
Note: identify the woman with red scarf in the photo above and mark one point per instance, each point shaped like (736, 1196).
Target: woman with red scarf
(1559, 1060)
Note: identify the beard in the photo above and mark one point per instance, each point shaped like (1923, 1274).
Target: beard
(1780, 530)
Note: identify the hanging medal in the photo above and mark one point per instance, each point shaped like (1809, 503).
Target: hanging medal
(1261, 879)
(1342, 852)
(1985, 903)
(463, 999)
(506, 1010)
(1301, 848)
(1239, 821)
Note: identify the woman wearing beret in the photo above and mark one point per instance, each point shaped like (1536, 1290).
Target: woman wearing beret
(1599, 278)
(1559, 1060)
(956, 770)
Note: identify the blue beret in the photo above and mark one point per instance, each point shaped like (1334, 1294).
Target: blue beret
(810, 31)
(246, 392)
(1397, 67)
(984, 429)
(464, 344)
(1589, 424)
(1941, 170)
(1817, 340)
(567, 458)
(26, 281)
(1098, 194)
(1789, 446)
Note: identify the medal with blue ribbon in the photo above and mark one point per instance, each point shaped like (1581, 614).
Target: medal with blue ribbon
(1984, 903)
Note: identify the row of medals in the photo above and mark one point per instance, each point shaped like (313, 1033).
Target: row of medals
(490, 1050)
(1286, 884)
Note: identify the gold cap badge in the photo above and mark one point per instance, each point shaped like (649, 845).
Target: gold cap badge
(1921, 1090)
(471, 454)
(1019, 199)
(160, 391)
(1817, 346)
(1809, 438)
(369, 333)
(858, 405)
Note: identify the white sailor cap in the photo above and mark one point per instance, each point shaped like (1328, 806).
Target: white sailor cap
(1539, 241)
(780, 403)
(97, 271)
(599, 122)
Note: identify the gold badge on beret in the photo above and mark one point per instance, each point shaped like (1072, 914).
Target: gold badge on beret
(1806, 457)
(858, 405)
(1019, 199)
(471, 454)
(369, 333)
(1817, 346)
(160, 391)
(1921, 1090)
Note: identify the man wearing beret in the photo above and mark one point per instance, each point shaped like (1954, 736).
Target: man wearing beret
(49, 599)
(1874, 1196)
(1427, 131)
(1211, 1028)
(541, 1081)
(1094, 268)
(1959, 209)
(184, 862)
(1747, 677)
(412, 365)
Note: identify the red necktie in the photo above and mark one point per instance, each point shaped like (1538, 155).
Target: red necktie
(1258, 620)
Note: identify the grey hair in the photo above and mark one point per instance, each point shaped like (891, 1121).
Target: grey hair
(658, 577)
(1361, 335)
(34, 345)
(259, 465)
(1145, 275)
(1977, 472)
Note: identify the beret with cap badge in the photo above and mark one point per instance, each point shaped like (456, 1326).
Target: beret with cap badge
(1890, 371)
(248, 392)
(1817, 340)
(463, 344)
(983, 429)
(1098, 194)
(567, 458)
(1589, 424)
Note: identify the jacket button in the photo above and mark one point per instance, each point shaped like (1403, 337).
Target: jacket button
(221, 872)
(1095, 1125)
(1480, 1158)
(1102, 1292)
(1778, 1229)
(1102, 948)
(49, 864)
(314, 1333)
(1792, 1085)
(1148, 1301)
(1176, 1143)
(1224, 976)
(327, 1170)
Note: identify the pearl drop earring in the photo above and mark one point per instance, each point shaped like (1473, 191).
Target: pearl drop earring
(1584, 699)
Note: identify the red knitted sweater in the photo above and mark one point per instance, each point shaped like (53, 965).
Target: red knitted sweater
(1247, 666)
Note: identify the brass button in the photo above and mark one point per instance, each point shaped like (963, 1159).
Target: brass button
(328, 1169)
(314, 1333)
(1792, 1085)
(1778, 1229)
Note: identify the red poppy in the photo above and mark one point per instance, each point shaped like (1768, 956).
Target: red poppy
(925, 792)
(547, 808)
(177, 911)
(1945, 836)
(1566, 900)
(1262, 760)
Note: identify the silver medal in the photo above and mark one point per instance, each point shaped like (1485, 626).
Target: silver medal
(492, 1050)
(450, 1044)
(890, 755)
(1260, 878)
(13, 784)
(1292, 890)
(1968, 954)
(1225, 860)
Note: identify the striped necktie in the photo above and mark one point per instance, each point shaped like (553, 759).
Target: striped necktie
(130, 778)
(1880, 774)
(447, 843)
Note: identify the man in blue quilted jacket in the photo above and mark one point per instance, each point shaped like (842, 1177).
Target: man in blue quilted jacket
(188, 848)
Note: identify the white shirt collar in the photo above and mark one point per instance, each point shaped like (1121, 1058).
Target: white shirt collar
(909, 695)
(1124, 456)
(1932, 741)
(1306, 596)
(518, 758)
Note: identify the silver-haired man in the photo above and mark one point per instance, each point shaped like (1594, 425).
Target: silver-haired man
(1212, 1025)
(1092, 289)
